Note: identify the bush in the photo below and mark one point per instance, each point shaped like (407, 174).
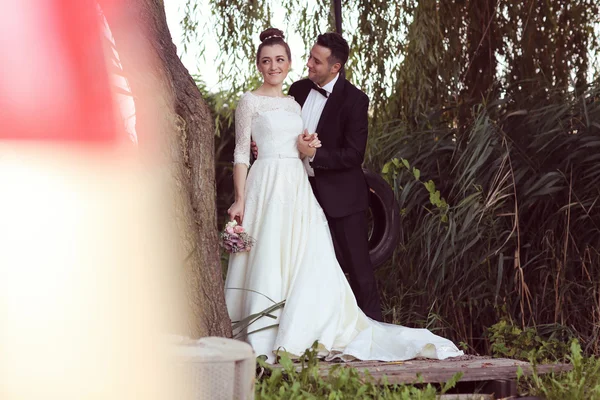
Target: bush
(510, 341)
(499, 216)
(582, 382)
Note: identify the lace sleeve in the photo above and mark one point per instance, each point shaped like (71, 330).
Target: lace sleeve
(243, 124)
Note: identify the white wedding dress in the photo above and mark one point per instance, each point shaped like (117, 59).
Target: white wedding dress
(294, 259)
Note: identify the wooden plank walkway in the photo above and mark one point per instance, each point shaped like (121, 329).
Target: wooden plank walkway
(496, 375)
(474, 368)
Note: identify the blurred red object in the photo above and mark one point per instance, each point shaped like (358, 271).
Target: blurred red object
(54, 83)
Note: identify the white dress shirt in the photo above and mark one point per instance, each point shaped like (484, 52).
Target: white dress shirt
(311, 114)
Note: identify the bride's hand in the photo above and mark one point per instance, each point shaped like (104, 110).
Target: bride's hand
(236, 211)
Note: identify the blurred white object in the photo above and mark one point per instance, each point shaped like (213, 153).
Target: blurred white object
(216, 368)
(86, 277)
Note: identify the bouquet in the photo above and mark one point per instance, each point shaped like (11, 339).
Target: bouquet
(235, 239)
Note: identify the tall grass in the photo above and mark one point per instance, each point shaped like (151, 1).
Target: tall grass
(514, 231)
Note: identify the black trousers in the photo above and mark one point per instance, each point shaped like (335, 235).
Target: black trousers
(351, 242)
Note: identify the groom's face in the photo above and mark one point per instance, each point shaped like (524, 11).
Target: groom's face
(319, 69)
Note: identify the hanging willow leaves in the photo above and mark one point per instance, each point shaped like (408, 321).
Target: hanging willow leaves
(374, 29)
(413, 57)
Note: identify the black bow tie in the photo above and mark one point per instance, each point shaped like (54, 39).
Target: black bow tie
(320, 90)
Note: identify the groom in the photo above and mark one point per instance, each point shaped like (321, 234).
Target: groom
(337, 111)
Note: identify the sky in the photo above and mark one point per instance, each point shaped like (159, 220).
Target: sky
(175, 13)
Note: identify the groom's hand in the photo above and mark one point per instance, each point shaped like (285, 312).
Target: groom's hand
(254, 149)
(306, 135)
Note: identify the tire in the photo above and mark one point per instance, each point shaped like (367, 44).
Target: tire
(384, 219)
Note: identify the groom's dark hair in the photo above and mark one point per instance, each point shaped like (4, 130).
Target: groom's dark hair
(338, 46)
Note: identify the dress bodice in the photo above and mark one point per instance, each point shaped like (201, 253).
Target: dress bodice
(274, 123)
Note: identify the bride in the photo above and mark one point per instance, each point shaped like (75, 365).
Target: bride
(294, 259)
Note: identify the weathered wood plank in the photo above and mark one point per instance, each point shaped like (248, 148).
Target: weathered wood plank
(474, 368)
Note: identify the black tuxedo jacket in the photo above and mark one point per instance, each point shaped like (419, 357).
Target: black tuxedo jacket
(341, 188)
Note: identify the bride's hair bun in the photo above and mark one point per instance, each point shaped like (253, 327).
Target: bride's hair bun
(272, 33)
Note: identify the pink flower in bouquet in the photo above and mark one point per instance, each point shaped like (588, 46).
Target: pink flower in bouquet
(234, 238)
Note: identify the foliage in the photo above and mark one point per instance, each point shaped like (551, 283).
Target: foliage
(223, 111)
(510, 341)
(303, 381)
(582, 382)
(390, 172)
(521, 197)
(414, 56)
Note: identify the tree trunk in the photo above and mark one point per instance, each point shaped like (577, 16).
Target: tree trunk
(482, 44)
(173, 122)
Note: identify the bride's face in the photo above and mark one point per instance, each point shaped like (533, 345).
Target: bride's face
(273, 64)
